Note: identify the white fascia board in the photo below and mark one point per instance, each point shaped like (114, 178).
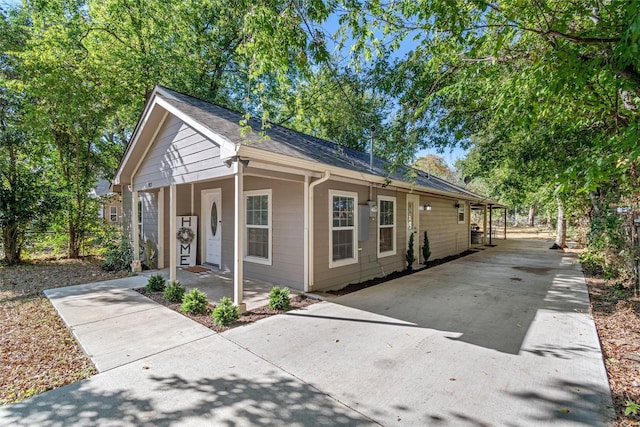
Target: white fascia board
(136, 135)
(268, 156)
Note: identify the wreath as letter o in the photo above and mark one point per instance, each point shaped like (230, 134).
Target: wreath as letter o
(185, 235)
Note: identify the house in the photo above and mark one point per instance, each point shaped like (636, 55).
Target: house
(287, 208)
(110, 209)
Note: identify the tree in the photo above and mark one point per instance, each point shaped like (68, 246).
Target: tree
(436, 166)
(25, 177)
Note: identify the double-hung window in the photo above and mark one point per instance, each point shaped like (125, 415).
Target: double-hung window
(462, 209)
(386, 226)
(343, 243)
(113, 213)
(258, 226)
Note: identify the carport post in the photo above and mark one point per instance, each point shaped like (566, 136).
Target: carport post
(490, 222)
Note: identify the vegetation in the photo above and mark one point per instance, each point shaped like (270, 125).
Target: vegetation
(410, 256)
(225, 313)
(156, 283)
(174, 292)
(426, 251)
(279, 299)
(194, 302)
(118, 255)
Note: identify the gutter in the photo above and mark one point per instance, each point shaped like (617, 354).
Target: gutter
(309, 210)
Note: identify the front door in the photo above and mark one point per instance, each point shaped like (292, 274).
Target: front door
(212, 214)
(413, 222)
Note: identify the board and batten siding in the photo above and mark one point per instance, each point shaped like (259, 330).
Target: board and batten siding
(179, 154)
(446, 236)
(369, 265)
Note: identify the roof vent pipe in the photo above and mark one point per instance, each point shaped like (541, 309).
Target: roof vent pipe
(373, 129)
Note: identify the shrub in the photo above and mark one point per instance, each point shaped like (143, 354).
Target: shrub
(225, 312)
(410, 256)
(426, 252)
(118, 255)
(194, 302)
(279, 299)
(174, 292)
(155, 283)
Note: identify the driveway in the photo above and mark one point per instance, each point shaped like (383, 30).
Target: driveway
(502, 337)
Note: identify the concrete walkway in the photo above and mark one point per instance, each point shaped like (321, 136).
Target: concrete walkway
(502, 337)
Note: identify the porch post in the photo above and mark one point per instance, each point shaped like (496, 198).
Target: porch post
(490, 223)
(484, 226)
(161, 228)
(238, 246)
(173, 201)
(134, 226)
(305, 235)
(505, 223)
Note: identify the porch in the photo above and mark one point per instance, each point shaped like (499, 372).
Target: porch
(217, 284)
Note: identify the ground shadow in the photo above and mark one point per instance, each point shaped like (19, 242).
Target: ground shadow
(222, 401)
(488, 299)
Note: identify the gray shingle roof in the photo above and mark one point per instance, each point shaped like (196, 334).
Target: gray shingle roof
(282, 140)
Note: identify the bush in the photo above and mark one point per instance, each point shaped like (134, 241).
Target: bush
(118, 255)
(426, 251)
(225, 312)
(279, 299)
(174, 292)
(155, 283)
(194, 302)
(410, 256)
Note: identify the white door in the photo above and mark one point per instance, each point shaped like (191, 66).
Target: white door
(413, 223)
(212, 226)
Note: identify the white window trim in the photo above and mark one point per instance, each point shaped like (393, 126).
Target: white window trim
(140, 218)
(113, 217)
(269, 227)
(395, 227)
(461, 209)
(354, 259)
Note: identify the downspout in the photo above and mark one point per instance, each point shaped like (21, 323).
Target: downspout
(308, 261)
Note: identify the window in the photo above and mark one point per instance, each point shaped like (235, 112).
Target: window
(461, 211)
(258, 226)
(386, 226)
(113, 213)
(343, 246)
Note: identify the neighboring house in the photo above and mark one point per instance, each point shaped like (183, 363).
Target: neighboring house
(288, 208)
(111, 208)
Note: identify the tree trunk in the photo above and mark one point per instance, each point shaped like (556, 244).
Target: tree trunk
(561, 227)
(11, 244)
(532, 214)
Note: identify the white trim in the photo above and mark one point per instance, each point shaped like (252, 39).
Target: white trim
(269, 227)
(354, 228)
(161, 228)
(394, 226)
(136, 227)
(173, 201)
(238, 237)
(203, 226)
(416, 225)
(310, 260)
(305, 236)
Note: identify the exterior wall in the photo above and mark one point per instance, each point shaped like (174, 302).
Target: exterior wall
(105, 211)
(369, 265)
(287, 204)
(149, 227)
(179, 154)
(446, 236)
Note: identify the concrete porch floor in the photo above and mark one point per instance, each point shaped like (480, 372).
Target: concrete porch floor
(217, 284)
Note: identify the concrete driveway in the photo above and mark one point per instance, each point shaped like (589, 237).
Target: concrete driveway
(502, 337)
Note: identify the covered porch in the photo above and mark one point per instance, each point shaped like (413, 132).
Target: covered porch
(217, 284)
(484, 231)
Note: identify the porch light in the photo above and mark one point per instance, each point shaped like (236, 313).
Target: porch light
(426, 207)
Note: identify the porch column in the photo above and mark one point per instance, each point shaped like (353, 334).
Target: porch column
(505, 223)
(490, 224)
(161, 228)
(484, 227)
(134, 226)
(173, 201)
(238, 246)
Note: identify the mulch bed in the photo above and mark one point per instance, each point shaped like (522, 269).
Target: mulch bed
(616, 312)
(298, 301)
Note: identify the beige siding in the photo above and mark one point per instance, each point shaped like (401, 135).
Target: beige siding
(178, 155)
(446, 236)
(368, 265)
(287, 267)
